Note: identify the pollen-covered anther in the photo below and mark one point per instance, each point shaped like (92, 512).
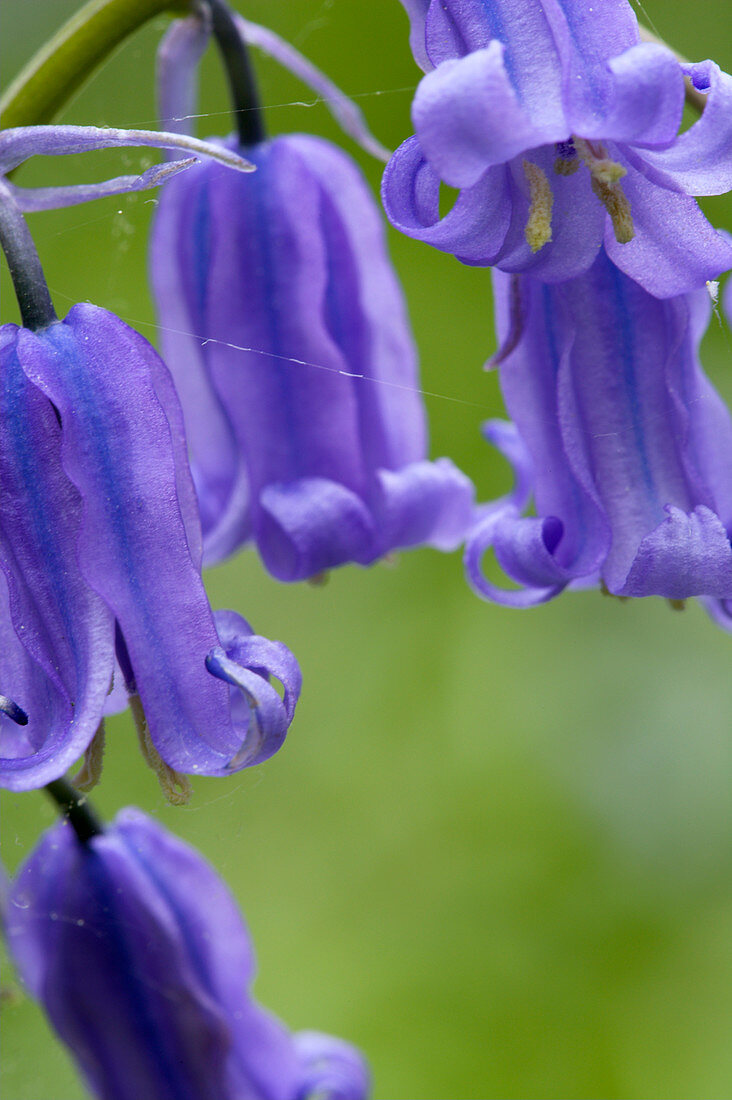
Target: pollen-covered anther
(175, 787)
(567, 161)
(615, 202)
(90, 771)
(538, 231)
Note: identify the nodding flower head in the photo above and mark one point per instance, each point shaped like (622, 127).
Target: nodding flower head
(560, 128)
(138, 954)
(100, 552)
(286, 332)
(619, 436)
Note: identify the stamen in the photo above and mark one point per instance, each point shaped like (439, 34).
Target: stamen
(677, 605)
(567, 161)
(13, 711)
(538, 231)
(606, 592)
(613, 199)
(515, 328)
(599, 163)
(175, 786)
(90, 771)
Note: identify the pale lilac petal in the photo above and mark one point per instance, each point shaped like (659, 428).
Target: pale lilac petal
(686, 555)
(675, 249)
(700, 160)
(346, 113)
(476, 227)
(646, 99)
(428, 503)
(525, 557)
(178, 57)
(468, 117)
(30, 199)
(330, 1068)
(23, 142)
(459, 27)
(311, 525)
(585, 37)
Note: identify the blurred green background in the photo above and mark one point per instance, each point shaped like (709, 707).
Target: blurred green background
(496, 849)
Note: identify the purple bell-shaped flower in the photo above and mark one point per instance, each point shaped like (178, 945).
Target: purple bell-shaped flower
(285, 329)
(138, 954)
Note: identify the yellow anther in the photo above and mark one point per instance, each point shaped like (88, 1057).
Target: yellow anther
(566, 166)
(90, 771)
(175, 786)
(538, 231)
(606, 592)
(599, 163)
(613, 199)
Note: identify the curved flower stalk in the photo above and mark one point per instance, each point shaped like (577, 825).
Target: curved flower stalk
(620, 437)
(285, 329)
(100, 527)
(561, 131)
(164, 1007)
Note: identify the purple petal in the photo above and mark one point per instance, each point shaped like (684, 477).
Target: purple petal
(23, 142)
(330, 1068)
(505, 438)
(179, 260)
(686, 555)
(468, 117)
(586, 36)
(346, 113)
(646, 100)
(476, 227)
(178, 56)
(525, 555)
(577, 224)
(675, 249)
(56, 649)
(424, 503)
(460, 27)
(30, 199)
(417, 12)
(310, 525)
(700, 160)
(366, 312)
(530, 381)
(245, 661)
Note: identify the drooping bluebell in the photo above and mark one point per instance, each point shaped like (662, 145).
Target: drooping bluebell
(285, 329)
(100, 546)
(619, 437)
(560, 128)
(138, 954)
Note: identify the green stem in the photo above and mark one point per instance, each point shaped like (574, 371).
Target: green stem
(69, 58)
(75, 807)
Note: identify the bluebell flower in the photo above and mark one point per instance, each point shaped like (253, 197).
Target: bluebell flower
(561, 131)
(100, 548)
(286, 332)
(619, 437)
(140, 958)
